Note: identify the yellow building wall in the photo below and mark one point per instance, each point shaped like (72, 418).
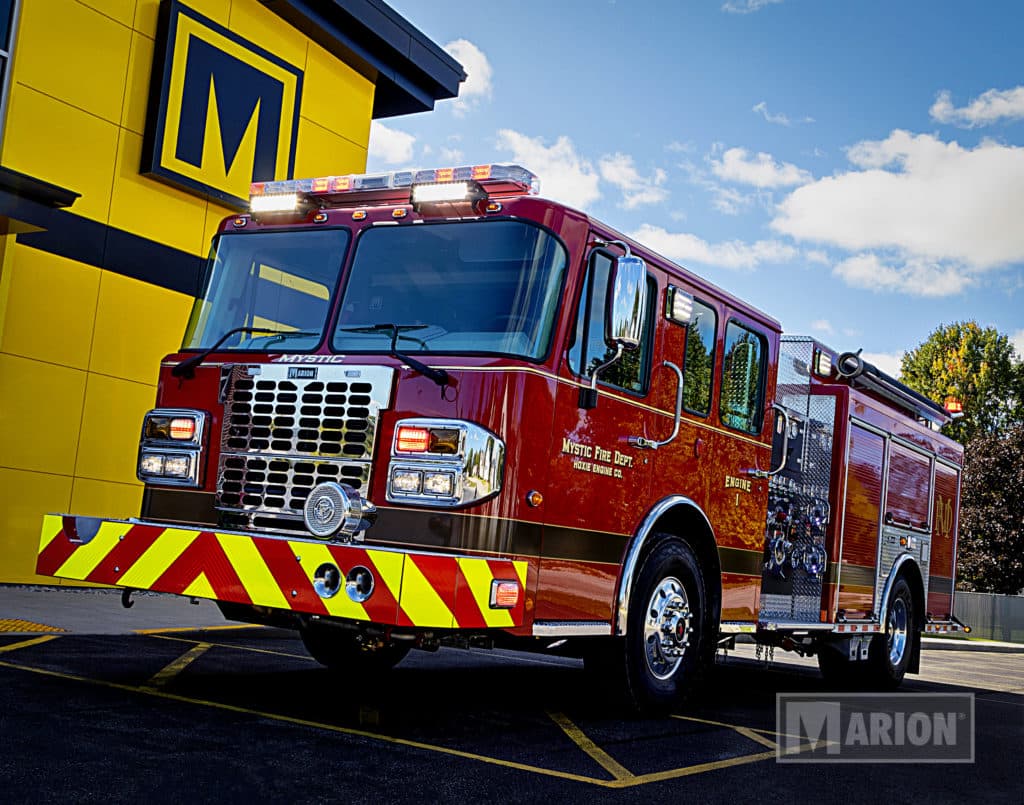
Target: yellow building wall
(80, 346)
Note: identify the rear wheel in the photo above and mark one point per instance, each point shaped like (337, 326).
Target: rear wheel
(889, 653)
(345, 652)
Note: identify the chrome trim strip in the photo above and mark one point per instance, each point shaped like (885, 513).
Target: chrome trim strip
(785, 626)
(635, 547)
(571, 629)
(901, 560)
(737, 627)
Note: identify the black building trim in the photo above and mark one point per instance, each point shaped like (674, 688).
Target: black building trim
(410, 71)
(96, 244)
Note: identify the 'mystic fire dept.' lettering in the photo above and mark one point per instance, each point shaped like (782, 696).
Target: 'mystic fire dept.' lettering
(596, 459)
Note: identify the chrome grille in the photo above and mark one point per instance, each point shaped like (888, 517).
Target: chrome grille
(288, 428)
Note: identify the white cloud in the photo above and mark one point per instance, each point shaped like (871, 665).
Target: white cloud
(817, 256)
(390, 146)
(945, 211)
(451, 155)
(888, 362)
(619, 170)
(823, 326)
(915, 276)
(565, 176)
(987, 108)
(477, 86)
(1017, 339)
(779, 119)
(746, 6)
(684, 247)
(759, 170)
(728, 200)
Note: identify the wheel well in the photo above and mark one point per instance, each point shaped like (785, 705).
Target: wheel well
(912, 573)
(689, 523)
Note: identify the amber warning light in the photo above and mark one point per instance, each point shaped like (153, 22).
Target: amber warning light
(954, 406)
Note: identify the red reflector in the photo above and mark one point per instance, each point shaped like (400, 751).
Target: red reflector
(183, 429)
(504, 594)
(412, 440)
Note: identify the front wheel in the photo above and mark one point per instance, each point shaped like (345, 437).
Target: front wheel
(662, 656)
(345, 652)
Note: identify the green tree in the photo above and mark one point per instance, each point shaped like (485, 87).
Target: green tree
(975, 365)
(991, 547)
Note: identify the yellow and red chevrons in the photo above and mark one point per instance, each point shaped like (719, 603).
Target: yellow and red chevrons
(410, 589)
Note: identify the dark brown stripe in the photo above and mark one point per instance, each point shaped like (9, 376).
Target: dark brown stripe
(940, 584)
(741, 561)
(857, 575)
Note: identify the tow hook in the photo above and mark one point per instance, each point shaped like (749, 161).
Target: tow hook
(126, 598)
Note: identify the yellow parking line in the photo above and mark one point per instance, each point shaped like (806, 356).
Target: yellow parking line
(623, 778)
(237, 647)
(172, 669)
(749, 733)
(225, 628)
(33, 641)
(686, 771)
(603, 759)
(302, 722)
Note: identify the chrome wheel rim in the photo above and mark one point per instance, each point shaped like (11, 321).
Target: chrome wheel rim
(897, 631)
(667, 628)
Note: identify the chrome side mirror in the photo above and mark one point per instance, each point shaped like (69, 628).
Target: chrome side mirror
(625, 311)
(627, 302)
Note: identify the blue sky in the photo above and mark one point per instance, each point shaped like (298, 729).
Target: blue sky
(855, 169)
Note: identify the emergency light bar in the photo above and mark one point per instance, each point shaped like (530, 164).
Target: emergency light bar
(284, 195)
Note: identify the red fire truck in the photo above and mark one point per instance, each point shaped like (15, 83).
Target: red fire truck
(431, 407)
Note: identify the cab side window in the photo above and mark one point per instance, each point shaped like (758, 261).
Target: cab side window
(589, 349)
(699, 359)
(743, 374)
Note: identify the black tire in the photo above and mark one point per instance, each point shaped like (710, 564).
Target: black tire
(668, 601)
(889, 653)
(343, 651)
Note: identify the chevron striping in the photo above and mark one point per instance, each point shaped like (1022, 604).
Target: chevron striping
(256, 577)
(478, 579)
(340, 605)
(85, 558)
(154, 562)
(420, 601)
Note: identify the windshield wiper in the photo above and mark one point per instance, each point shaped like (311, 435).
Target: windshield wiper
(187, 368)
(439, 376)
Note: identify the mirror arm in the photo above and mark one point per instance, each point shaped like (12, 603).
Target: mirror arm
(588, 396)
(785, 447)
(653, 444)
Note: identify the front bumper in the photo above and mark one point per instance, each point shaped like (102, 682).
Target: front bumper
(414, 590)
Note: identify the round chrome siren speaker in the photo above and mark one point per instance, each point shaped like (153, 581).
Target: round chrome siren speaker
(332, 508)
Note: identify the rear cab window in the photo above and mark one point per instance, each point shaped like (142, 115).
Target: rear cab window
(744, 371)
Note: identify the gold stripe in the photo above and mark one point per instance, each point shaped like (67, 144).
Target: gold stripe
(313, 555)
(160, 555)
(420, 602)
(256, 577)
(602, 758)
(32, 641)
(85, 558)
(635, 403)
(478, 574)
(172, 669)
(52, 525)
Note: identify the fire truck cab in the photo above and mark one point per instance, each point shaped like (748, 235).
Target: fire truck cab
(431, 407)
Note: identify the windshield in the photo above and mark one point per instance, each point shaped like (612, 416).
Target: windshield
(275, 285)
(461, 287)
